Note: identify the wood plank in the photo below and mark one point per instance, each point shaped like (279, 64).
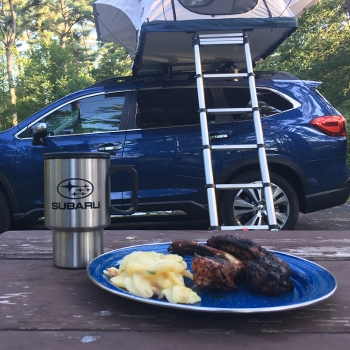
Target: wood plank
(320, 245)
(35, 295)
(106, 340)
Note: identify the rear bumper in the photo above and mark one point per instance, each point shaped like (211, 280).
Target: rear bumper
(329, 199)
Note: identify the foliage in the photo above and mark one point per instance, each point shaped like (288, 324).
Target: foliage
(54, 53)
(64, 19)
(113, 60)
(320, 50)
(50, 73)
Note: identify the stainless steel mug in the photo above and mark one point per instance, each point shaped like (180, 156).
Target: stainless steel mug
(78, 205)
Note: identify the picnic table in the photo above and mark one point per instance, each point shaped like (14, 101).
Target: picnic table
(46, 307)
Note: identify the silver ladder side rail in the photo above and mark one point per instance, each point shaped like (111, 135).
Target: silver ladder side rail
(260, 139)
(231, 39)
(213, 215)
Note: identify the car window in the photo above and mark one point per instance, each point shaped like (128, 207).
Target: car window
(170, 107)
(92, 114)
(269, 102)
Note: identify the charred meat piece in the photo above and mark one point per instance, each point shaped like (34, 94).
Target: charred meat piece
(214, 273)
(187, 247)
(242, 248)
(266, 272)
(268, 276)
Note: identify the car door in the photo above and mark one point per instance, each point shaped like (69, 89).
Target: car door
(96, 127)
(189, 178)
(165, 144)
(150, 147)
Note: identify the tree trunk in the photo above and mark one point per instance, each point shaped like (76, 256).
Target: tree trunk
(9, 40)
(348, 5)
(13, 99)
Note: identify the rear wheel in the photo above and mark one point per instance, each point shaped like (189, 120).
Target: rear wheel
(5, 213)
(246, 207)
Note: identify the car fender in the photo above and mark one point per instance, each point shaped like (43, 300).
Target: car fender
(10, 193)
(279, 165)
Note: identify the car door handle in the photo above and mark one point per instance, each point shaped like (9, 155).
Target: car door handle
(218, 136)
(110, 148)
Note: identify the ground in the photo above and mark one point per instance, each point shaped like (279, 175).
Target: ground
(334, 219)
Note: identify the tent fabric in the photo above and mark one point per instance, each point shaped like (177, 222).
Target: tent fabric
(301, 6)
(228, 7)
(159, 32)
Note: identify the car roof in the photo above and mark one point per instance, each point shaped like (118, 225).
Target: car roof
(182, 77)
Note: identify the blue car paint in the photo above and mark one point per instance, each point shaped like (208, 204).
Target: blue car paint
(169, 161)
(152, 152)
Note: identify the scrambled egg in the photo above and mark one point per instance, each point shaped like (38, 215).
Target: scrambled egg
(146, 274)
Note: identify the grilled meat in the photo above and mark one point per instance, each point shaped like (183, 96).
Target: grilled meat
(243, 248)
(268, 276)
(219, 264)
(214, 273)
(266, 273)
(212, 268)
(187, 247)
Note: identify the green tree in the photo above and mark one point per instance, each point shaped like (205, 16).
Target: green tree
(64, 19)
(8, 26)
(48, 72)
(71, 23)
(59, 59)
(15, 16)
(112, 61)
(4, 96)
(320, 50)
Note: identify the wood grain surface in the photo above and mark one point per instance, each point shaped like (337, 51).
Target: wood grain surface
(52, 308)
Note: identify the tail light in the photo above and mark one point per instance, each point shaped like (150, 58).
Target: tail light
(333, 125)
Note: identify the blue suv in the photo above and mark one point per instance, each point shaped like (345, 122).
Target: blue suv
(152, 123)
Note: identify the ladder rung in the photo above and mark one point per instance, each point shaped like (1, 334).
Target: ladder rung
(243, 228)
(221, 35)
(223, 41)
(232, 147)
(226, 75)
(219, 39)
(258, 184)
(229, 110)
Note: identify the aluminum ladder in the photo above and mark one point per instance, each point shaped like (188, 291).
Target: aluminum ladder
(243, 40)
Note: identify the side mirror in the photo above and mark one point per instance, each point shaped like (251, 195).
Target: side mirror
(39, 133)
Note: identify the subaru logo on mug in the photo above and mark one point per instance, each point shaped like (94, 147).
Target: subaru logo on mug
(75, 188)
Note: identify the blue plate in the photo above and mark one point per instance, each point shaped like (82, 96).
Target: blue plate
(312, 284)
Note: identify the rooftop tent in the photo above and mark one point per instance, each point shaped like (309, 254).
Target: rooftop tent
(159, 32)
(298, 7)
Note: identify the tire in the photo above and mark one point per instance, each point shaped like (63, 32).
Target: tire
(5, 213)
(245, 207)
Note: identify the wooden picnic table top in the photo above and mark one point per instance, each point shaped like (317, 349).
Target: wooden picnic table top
(42, 306)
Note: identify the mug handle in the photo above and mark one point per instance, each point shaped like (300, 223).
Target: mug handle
(113, 169)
